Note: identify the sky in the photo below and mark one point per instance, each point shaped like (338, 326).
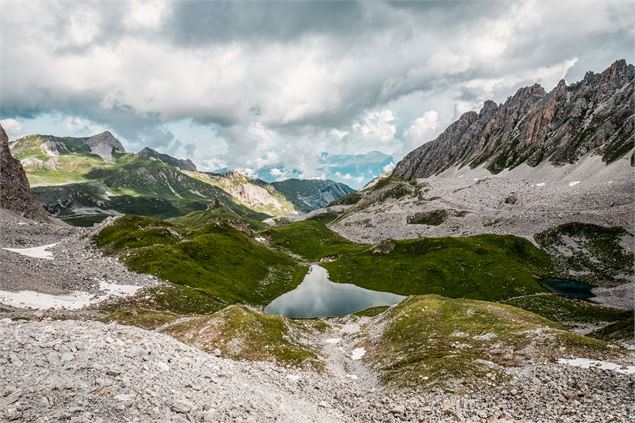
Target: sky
(252, 85)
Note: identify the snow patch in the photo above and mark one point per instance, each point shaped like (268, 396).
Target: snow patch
(332, 341)
(294, 378)
(540, 184)
(358, 353)
(586, 363)
(574, 183)
(35, 252)
(70, 301)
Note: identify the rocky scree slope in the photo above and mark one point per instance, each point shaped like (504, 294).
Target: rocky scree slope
(89, 371)
(15, 192)
(593, 116)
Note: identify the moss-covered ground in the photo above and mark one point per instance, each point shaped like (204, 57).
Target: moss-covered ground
(216, 258)
(311, 239)
(430, 340)
(566, 310)
(488, 267)
(240, 332)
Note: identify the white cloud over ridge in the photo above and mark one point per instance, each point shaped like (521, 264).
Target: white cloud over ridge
(283, 82)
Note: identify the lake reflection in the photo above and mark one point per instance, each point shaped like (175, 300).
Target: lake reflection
(317, 296)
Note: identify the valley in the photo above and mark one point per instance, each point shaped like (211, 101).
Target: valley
(487, 278)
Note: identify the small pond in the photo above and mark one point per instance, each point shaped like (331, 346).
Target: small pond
(568, 288)
(317, 296)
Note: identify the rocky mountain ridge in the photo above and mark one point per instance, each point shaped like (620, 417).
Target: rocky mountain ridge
(183, 164)
(15, 192)
(593, 116)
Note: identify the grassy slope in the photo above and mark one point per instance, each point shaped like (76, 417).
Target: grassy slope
(311, 239)
(217, 258)
(431, 340)
(197, 220)
(240, 332)
(237, 332)
(226, 183)
(488, 267)
(139, 185)
(571, 313)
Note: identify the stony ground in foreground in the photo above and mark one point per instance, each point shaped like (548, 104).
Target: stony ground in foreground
(80, 371)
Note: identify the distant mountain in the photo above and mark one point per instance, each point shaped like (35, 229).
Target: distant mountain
(15, 192)
(40, 148)
(86, 179)
(75, 183)
(351, 169)
(183, 164)
(255, 194)
(356, 169)
(593, 116)
(276, 172)
(311, 194)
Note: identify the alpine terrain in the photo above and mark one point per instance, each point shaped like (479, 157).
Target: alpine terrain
(485, 276)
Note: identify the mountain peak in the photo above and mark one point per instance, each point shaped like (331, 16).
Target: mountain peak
(532, 126)
(183, 164)
(104, 145)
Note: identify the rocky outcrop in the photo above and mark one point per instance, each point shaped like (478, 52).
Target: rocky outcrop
(593, 116)
(182, 164)
(15, 192)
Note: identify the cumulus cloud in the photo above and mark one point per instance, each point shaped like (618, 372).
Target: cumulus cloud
(377, 126)
(282, 82)
(423, 128)
(82, 127)
(12, 127)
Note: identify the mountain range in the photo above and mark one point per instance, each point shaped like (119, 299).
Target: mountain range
(538, 161)
(593, 116)
(505, 248)
(82, 180)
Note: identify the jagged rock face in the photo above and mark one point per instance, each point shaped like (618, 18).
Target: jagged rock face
(15, 192)
(168, 160)
(593, 116)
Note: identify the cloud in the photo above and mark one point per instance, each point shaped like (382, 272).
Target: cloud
(282, 82)
(82, 127)
(12, 127)
(423, 128)
(377, 125)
